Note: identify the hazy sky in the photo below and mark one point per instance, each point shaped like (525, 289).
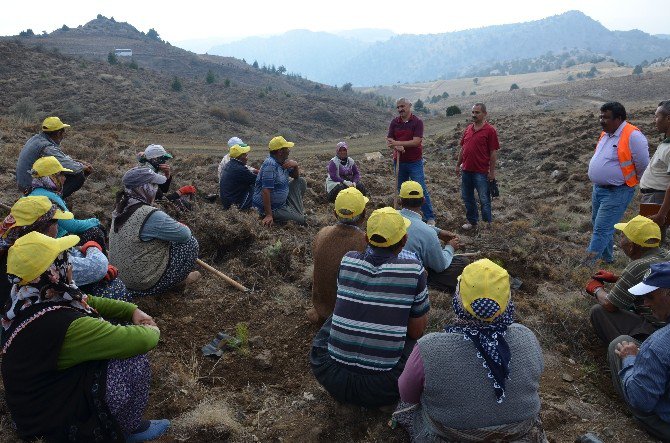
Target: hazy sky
(233, 20)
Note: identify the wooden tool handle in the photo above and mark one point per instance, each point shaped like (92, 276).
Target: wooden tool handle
(222, 275)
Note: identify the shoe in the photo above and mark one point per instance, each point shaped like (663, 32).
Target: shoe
(469, 226)
(155, 430)
(430, 222)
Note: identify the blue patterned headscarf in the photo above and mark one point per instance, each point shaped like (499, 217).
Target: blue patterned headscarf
(488, 338)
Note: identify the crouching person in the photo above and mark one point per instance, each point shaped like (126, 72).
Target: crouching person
(461, 380)
(68, 374)
(152, 251)
(381, 310)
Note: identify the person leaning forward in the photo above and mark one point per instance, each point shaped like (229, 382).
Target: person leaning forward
(641, 373)
(329, 246)
(276, 198)
(618, 312)
(424, 240)
(620, 158)
(47, 143)
(381, 310)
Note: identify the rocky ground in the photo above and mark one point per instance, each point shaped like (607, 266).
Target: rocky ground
(264, 391)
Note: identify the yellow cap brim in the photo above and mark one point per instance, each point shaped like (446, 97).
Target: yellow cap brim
(620, 226)
(59, 245)
(63, 215)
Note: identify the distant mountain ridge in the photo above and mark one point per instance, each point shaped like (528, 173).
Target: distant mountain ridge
(335, 60)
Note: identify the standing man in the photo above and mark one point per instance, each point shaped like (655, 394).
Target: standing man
(655, 181)
(277, 198)
(477, 166)
(45, 144)
(404, 137)
(641, 373)
(621, 156)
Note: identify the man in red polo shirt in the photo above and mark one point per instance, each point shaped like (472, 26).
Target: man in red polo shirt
(476, 165)
(405, 137)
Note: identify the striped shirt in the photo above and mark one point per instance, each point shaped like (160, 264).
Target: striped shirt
(377, 293)
(632, 275)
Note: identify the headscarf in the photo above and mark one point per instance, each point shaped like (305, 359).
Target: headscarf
(9, 233)
(126, 204)
(488, 338)
(53, 286)
(47, 182)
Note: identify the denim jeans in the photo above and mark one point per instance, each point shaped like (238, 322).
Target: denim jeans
(414, 171)
(479, 181)
(607, 208)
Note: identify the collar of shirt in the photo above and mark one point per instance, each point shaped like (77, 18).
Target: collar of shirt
(379, 252)
(617, 133)
(408, 213)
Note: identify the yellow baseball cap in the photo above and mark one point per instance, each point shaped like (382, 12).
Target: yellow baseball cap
(237, 150)
(641, 231)
(350, 203)
(46, 166)
(411, 189)
(388, 224)
(33, 253)
(278, 143)
(27, 210)
(51, 124)
(484, 289)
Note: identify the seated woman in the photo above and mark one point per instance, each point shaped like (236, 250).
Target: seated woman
(90, 268)
(461, 381)
(152, 251)
(48, 178)
(68, 374)
(342, 173)
(155, 157)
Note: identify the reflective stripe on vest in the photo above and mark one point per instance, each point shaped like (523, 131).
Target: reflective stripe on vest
(625, 156)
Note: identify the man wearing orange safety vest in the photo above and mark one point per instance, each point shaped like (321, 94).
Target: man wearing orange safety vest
(621, 156)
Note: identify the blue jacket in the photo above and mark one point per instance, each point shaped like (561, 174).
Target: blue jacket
(422, 240)
(236, 186)
(66, 227)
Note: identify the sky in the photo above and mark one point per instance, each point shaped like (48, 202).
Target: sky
(234, 20)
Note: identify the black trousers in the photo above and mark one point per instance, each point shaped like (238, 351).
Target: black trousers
(72, 183)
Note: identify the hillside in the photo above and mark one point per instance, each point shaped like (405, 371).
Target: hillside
(67, 73)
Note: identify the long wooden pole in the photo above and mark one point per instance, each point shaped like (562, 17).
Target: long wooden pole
(223, 276)
(397, 174)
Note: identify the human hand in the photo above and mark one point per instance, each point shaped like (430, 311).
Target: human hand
(167, 170)
(268, 220)
(605, 276)
(288, 164)
(187, 190)
(399, 148)
(491, 176)
(593, 285)
(142, 318)
(626, 349)
(112, 273)
(455, 243)
(348, 183)
(90, 244)
(658, 219)
(88, 168)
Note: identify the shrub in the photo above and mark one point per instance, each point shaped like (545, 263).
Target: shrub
(473, 92)
(24, 110)
(419, 106)
(211, 78)
(347, 87)
(570, 78)
(176, 85)
(65, 28)
(27, 33)
(453, 110)
(234, 115)
(255, 64)
(112, 59)
(513, 87)
(133, 64)
(226, 83)
(153, 34)
(637, 70)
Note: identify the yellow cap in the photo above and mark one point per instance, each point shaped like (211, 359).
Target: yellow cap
(388, 224)
(237, 150)
(278, 143)
(484, 289)
(27, 210)
(51, 124)
(46, 166)
(33, 253)
(641, 231)
(350, 203)
(411, 189)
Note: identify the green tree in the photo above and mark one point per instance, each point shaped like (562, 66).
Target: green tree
(65, 28)
(513, 87)
(112, 59)
(347, 87)
(133, 64)
(475, 80)
(211, 78)
(453, 110)
(419, 106)
(255, 64)
(226, 83)
(176, 85)
(281, 69)
(153, 34)
(637, 70)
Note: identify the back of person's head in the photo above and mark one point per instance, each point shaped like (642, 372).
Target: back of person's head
(234, 141)
(387, 229)
(51, 125)
(139, 176)
(617, 109)
(411, 194)
(484, 290)
(641, 231)
(350, 205)
(665, 107)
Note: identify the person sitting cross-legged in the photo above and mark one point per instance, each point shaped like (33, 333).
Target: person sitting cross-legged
(343, 173)
(236, 186)
(381, 310)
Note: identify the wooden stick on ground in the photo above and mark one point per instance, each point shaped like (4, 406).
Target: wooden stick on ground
(221, 275)
(469, 254)
(4, 206)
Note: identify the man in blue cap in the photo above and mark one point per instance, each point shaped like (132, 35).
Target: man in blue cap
(641, 373)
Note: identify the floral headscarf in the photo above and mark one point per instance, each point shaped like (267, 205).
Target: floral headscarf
(145, 194)
(9, 232)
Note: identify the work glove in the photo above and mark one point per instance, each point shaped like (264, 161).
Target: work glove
(90, 244)
(348, 183)
(187, 190)
(112, 273)
(593, 285)
(605, 276)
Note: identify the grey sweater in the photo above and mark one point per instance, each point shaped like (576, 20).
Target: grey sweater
(40, 145)
(457, 392)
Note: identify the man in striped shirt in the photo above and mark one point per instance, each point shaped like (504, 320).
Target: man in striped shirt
(381, 310)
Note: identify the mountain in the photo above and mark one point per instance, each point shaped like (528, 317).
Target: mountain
(332, 60)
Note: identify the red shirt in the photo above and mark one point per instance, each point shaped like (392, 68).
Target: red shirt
(477, 148)
(406, 131)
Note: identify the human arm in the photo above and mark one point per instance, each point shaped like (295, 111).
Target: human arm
(161, 226)
(165, 187)
(639, 150)
(660, 216)
(332, 172)
(643, 376)
(65, 160)
(434, 256)
(292, 167)
(412, 379)
(603, 300)
(418, 314)
(415, 142)
(75, 226)
(492, 165)
(267, 207)
(88, 267)
(416, 326)
(357, 174)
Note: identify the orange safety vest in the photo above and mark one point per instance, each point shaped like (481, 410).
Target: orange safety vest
(625, 157)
